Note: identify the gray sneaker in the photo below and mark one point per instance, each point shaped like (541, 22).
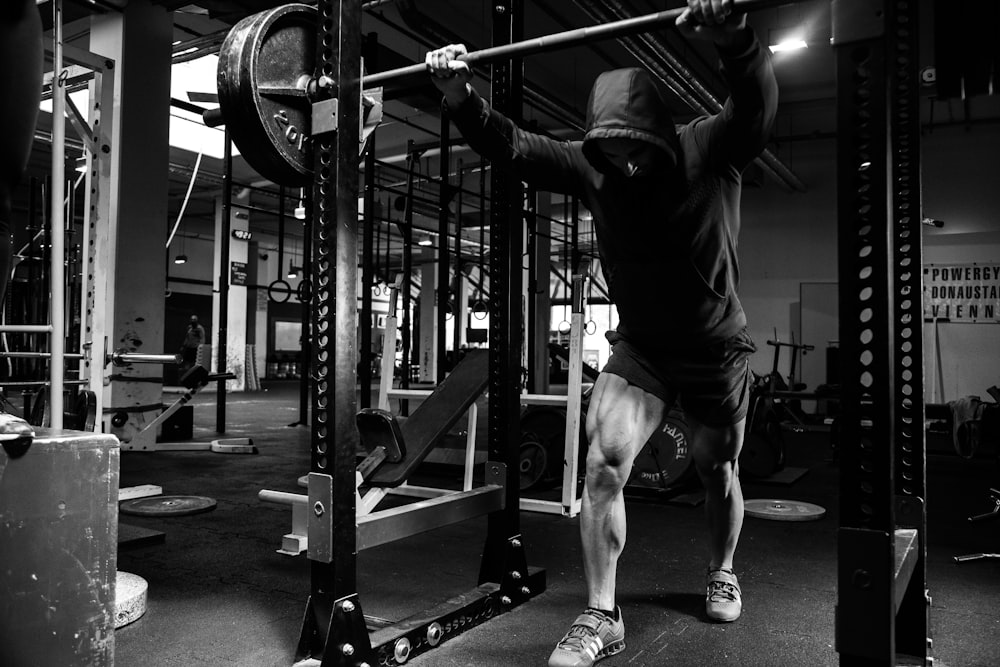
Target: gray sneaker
(592, 637)
(723, 599)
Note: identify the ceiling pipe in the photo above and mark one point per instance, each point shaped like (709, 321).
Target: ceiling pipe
(657, 56)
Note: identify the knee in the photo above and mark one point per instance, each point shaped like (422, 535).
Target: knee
(715, 452)
(717, 474)
(608, 463)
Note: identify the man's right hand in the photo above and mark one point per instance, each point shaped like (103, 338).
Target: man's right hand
(449, 74)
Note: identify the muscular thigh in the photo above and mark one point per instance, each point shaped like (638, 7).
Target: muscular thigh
(620, 420)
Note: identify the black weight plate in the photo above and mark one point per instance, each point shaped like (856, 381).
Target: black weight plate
(665, 460)
(532, 464)
(39, 415)
(167, 506)
(265, 64)
(547, 426)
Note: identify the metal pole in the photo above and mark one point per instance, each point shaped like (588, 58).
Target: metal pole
(564, 40)
(442, 249)
(367, 279)
(57, 342)
(305, 356)
(125, 358)
(220, 359)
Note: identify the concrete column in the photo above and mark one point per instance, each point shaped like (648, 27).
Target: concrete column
(428, 315)
(236, 339)
(138, 39)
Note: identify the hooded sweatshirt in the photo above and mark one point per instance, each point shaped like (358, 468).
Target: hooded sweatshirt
(668, 239)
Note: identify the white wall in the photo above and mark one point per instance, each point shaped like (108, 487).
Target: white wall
(791, 238)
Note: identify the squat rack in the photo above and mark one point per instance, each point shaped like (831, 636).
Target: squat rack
(882, 596)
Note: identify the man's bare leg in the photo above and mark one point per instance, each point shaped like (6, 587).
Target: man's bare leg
(715, 453)
(716, 450)
(619, 422)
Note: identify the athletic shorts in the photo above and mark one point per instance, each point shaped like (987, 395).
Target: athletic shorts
(712, 383)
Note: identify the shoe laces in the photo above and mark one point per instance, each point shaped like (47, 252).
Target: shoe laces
(578, 636)
(722, 591)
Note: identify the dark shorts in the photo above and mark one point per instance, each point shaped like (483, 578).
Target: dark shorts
(712, 383)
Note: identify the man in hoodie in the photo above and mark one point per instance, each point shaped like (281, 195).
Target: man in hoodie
(665, 205)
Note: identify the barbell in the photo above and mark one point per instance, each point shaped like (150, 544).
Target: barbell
(273, 104)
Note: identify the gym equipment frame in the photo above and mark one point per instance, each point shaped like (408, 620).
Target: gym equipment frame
(882, 598)
(883, 602)
(78, 68)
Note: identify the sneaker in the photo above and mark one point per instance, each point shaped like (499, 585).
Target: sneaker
(593, 636)
(14, 428)
(723, 600)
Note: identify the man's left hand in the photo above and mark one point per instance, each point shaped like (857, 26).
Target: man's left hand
(712, 20)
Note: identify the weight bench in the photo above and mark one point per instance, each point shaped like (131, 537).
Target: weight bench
(396, 447)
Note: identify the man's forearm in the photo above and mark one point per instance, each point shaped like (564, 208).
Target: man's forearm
(735, 42)
(455, 99)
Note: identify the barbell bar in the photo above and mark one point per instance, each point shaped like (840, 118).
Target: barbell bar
(122, 358)
(273, 104)
(566, 39)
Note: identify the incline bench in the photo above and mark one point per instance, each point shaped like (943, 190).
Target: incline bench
(395, 448)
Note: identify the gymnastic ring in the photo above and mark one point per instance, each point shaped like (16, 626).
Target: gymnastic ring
(480, 314)
(564, 329)
(302, 291)
(588, 329)
(376, 290)
(273, 288)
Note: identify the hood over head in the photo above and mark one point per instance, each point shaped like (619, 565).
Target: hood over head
(626, 103)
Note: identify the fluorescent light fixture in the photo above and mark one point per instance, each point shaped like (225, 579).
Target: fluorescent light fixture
(792, 44)
(425, 241)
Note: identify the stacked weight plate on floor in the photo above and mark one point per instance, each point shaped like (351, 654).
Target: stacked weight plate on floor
(267, 91)
(160, 506)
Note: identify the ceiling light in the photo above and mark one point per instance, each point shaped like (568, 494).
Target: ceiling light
(792, 44)
(293, 271)
(425, 241)
(181, 259)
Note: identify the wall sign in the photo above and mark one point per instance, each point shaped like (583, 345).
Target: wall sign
(238, 273)
(962, 292)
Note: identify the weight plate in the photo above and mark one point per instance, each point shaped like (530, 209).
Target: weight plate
(130, 598)
(783, 510)
(665, 460)
(167, 506)
(532, 463)
(265, 65)
(546, 425)
(86, 411)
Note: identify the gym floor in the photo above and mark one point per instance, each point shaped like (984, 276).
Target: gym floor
(219, 594)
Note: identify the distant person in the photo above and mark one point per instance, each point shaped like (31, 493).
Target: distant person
(21, 83)
(193, 339)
